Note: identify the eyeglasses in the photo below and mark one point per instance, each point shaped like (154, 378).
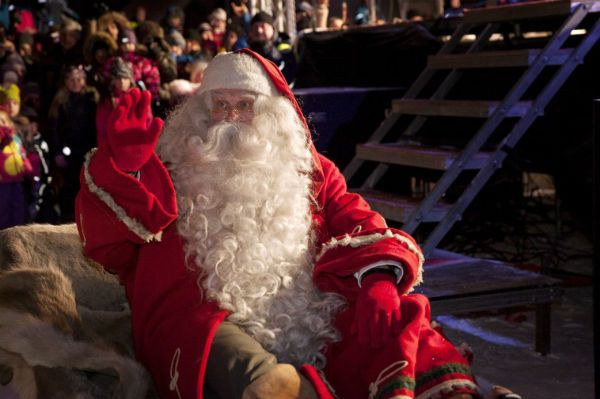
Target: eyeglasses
(232, 109)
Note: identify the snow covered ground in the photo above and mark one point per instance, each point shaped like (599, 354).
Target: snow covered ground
(504, 350)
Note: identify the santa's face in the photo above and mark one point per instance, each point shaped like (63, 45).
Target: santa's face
(232, 105)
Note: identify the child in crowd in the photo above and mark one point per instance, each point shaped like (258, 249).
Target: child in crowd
(14, 167)
(10, 99)
(120, 81)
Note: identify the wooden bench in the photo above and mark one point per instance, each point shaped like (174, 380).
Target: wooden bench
(459, 284)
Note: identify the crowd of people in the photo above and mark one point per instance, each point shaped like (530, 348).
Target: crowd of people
(61, 77)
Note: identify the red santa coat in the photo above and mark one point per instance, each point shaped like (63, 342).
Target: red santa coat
(129, 226)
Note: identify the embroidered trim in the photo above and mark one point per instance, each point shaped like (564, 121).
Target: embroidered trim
(133, 225)
(436, 373)
(360, 241)
(384, 374)
(174, 373)
(447, 387)
(400, 382)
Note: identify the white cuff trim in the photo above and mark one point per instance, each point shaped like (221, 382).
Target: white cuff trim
(360, 241)
(135, 226)
(394, 266)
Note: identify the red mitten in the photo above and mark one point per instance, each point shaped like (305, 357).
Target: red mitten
(377, 317)
(131, 136)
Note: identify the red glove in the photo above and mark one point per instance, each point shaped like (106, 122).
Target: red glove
(377, 317)
(132, 133)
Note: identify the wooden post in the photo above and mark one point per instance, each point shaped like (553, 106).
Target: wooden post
(372, 11)
(290, 18)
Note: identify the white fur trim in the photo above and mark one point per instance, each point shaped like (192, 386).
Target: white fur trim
(446, 387)
(396, 267)
(360, 241)
(133, 225)
(237, 71)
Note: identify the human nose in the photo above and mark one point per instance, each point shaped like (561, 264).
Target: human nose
(232, 115)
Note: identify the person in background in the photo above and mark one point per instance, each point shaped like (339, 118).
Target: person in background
(144, 70)
(119, 82)
(153, 45)
(196, 71)
(112, 23)
(99, 47)
(235, 38)
(10, 100)
(218, 24)
(72, 133)
(174, 20)
(193, 47)
(304, 15)
(209, 46)
(68, 51)
(139, 16)
(240, 15)
(274, 46)
(14, 168)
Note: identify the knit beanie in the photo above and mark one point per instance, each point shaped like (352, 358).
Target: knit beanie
(120, 69)
(262, 16)
(11, 92)
(218, 14)
(127, 36)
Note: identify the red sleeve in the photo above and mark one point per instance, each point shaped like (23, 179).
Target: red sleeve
(355, 237)
(116, 213)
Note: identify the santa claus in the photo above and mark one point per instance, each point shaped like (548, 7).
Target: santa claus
(250, 270)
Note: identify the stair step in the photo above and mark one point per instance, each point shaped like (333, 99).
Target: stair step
(494, 59)
(398, 208)
(460, 108)
(416, 155)
(518, 12)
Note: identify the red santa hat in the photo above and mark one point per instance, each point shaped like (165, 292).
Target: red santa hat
(246, 70)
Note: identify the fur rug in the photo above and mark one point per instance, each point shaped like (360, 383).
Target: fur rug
(65, 327)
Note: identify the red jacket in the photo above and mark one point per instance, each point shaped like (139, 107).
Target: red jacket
(128, 226)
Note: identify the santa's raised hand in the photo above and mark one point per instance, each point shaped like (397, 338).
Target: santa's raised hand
(132, 131)
(377, 317)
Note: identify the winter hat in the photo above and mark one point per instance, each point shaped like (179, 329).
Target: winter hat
(204, 27)
(246, 70)
(218, 14)
(262, 16)
(237, 71)
(176, 39)
(120, 69)
(127, 36)
(175, 12)
(10, 92)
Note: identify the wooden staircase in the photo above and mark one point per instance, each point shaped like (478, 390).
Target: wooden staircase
(422, 102)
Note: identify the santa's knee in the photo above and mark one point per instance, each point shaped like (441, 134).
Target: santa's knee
(281, 382)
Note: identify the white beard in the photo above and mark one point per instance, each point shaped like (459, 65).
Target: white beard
(244, 203)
